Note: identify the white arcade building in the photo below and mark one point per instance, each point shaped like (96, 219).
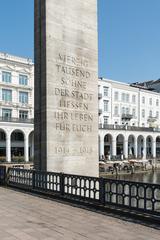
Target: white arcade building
(16, 108)
(129, 115)
(129, 120)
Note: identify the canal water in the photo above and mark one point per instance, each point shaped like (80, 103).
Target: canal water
(147, 177)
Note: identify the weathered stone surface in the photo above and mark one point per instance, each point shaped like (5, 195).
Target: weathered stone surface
(66, 111)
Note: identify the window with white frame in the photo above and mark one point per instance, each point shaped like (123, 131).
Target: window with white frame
(116, 96)
(143, 100)
(6, 77)
(123, 97)
(150, 113)
(157, 102)
(23, 79)
(23, 114)
(105, 119)
(116, 110)
(6, 113)
(123, 110)
(127, 97)
(134, 112)
(157, 114)
(105, 90)
(127, 111)
(133, 98)
(150, 101)
(7, 95)
(143, 113)
(23, 97)
(105, 103)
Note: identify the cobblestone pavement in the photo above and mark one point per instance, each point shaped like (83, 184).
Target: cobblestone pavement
(28, 217)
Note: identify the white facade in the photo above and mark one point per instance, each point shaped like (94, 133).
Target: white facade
(16, 108)
(141, 104)
(129, 117)
(129, 120)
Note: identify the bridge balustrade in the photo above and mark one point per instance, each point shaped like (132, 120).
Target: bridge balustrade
(143, 197)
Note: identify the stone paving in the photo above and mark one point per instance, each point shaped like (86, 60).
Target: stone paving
(28, 217)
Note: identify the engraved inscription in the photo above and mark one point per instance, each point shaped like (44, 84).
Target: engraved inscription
(71, 151)
(73, 94)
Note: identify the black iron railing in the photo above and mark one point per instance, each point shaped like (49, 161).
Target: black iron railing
(20, 178)
(81, 186)
(126, 127)
(143, 197)
(46, 181)
(133, 195)
(64, 184)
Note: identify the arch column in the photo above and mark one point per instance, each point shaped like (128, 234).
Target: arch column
(32, 149)
(139, 148)
(126, 148)
(26, 148)
(135, 147)
(101, 147)
(144, 148)
(114, 146)
(154, 148)
(8, 147)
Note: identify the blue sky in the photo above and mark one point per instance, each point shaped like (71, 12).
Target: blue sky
(16, 27)
(129, 36)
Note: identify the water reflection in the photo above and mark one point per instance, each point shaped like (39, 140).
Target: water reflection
(148, 177)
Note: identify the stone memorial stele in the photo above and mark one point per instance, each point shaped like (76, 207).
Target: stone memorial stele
(66, 86)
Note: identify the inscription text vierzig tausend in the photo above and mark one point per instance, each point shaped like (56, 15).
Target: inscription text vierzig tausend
(74, 100)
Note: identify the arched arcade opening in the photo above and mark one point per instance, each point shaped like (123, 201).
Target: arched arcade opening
(131, 146)
(108, 146)
(140, 146)
(120, 144)
(17, 146)
(149, 145)
(2, 145)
